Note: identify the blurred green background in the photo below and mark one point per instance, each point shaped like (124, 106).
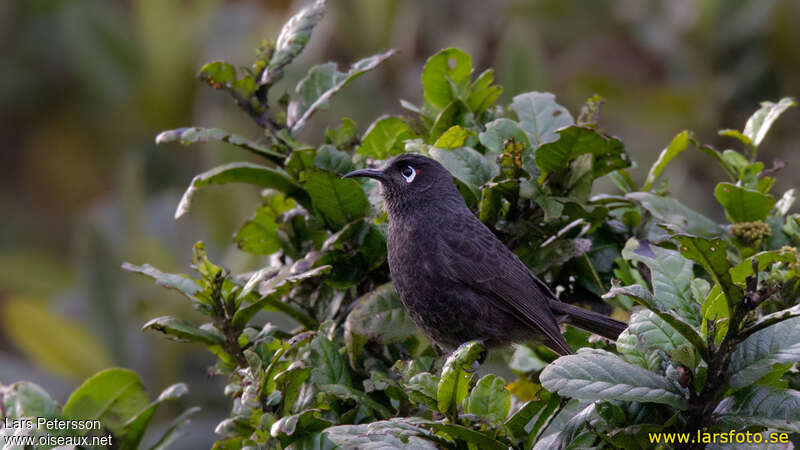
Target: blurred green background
(86, 85)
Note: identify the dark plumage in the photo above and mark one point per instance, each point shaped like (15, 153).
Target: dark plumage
(457, 281)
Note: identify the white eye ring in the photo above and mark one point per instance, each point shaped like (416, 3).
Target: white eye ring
(408, 176)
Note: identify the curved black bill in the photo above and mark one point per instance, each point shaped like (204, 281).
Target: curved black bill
(369, 173)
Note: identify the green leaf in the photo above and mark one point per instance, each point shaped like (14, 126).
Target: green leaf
(676, 147)
(760, 405)
(489, 399)
(756, 356)
(292, 39)
(396, 433)
(742, 204)
(289, 428)
(608, 153)
(760, 122)
(273, 290)
(344, 135)
(600, 375)
(175, 429)
(712, 255)
(454, 137)
(741, 271)
(259, 234)
(450, 65)
(183, 331)
(327, 364)
(242, 172)
(58, 344)
(338, 200)
(670, 211)
(670, 274)
(454, 382)
(385, 138)
(467, 165)
(26, 399)
(331, 159)
(643, 297)
(347, 393)
(135, 428)
(736, 134)
(114, 396)
(540, 116)
(324, 81)
(423, 388)
(653, 334)
(481, 93)
(181, 283)
(192, 135)
(377, 316)
(499, 132)
(222, 75)
(551, 206)
(455, 113)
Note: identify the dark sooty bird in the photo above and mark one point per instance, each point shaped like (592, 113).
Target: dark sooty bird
(457, 281)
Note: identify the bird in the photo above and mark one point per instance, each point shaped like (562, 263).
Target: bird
(455, 278)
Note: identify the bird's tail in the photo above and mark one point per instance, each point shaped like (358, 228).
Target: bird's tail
(588, 320)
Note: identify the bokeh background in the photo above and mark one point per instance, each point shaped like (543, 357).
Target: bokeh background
(85, 85)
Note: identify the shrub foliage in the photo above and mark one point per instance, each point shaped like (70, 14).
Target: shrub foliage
(714, 321)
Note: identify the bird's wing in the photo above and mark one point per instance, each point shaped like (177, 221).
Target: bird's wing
(473, 255)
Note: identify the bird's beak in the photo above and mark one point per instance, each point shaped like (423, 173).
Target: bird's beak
(369, 173)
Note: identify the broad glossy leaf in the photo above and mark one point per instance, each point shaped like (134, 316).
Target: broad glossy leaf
(271, 293)
(60, 345)
(331, 159)
(741, 271)
(288, 428)
(670, 211)
(397, 433)
(328, 366)
(676, 147)
(26, 399)
(183, 331)
(292, 39)
(181, 283)
(259, 234)
(450, 65)
(242, 172)
(348, 393)
(467, 165)
(455, 113)
(540, 116)
(191, 135)
(756, 356)
(644, 298)
(454, 137)
(114, 396)
(760, 122)
(454, 382)
(482, 94)
(761, 405)
(422, 388)
(712, 255)
(736, 134)
(377, 316)
(385, 138)
(344, 135)
(338, 200)
(600, 375)
(324, 81)
(742, 204)
(489, 399)
(671, 276)
(608, 152)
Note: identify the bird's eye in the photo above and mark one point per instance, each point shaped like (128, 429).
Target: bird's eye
(408, 173)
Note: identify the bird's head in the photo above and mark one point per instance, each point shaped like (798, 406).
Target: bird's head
(411, 179)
